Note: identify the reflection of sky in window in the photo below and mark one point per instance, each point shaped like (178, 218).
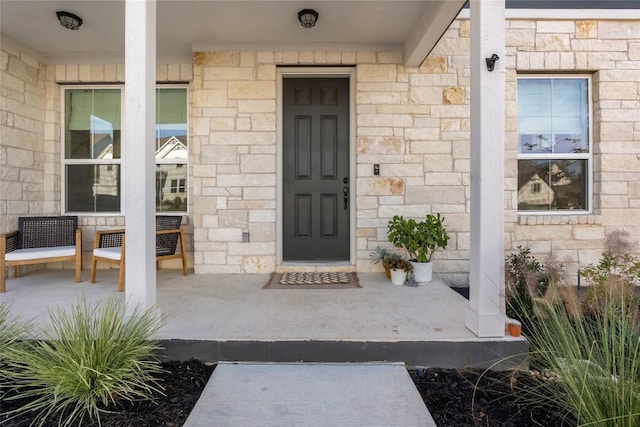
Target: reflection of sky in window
(100, 126)
(171, 129)
(555, 107)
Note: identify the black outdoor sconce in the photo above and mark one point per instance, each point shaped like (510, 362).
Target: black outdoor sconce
(491, 62)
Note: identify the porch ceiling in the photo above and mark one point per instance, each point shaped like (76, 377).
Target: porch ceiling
(184, 26)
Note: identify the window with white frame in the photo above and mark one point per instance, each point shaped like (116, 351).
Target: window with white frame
(554, 144)
(92, 163)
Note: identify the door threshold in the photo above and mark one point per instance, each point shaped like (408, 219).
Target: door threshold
(315, 266)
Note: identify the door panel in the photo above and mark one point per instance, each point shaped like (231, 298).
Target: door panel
(316, 169)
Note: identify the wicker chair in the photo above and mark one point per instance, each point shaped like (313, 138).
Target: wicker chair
(109, 247)
(38, 240)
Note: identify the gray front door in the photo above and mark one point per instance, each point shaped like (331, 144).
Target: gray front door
(316, 180)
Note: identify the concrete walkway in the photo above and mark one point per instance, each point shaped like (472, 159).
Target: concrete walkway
(308, 395)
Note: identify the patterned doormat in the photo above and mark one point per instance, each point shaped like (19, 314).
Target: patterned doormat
(313, 280)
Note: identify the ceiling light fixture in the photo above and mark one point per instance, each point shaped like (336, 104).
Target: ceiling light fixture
(308, 18)
(69, 20)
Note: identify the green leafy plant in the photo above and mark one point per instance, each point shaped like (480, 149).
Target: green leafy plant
(526, 279)
(380, 254)
(419, 238)
(92, 358)
(399, 264)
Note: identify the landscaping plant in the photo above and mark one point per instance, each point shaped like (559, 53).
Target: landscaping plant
(13, 332)
(589, 345)
(92, 358)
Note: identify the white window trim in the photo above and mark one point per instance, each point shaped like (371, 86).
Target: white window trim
(64, 162)
(588, 156)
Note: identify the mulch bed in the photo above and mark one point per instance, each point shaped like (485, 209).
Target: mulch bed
(448, 393)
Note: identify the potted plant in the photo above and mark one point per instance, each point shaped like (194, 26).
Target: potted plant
(399, 268)
(384, 256)
(420, 239)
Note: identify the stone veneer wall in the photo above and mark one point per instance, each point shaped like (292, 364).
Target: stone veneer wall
(30, 181)
(24, 153)
(414, 122)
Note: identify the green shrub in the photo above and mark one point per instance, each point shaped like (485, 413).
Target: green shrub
(92, 357)
(526, 279)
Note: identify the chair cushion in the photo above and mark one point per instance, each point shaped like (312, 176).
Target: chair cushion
(110, 253)
(39, 253)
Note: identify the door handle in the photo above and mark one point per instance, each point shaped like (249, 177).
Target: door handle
(345, 193)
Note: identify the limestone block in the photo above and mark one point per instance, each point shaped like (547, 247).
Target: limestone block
(453, 95)
(613, 201)
(380, 186)
(252, 90)
(380, 145)
(438, 163)
(259, 264)
(421, 195)
(263, 122)
(402, 170)
(229, 58)
(548, 232)
(422, 133)
(453, 46)
(430, 147)
(306, 57)
(246, 180)
(251, 248)
(434, 64)
(252, 204)
(219, 155)
(623, 30)
(386, 120)
(376, 73)
(257, 163)
(247, 58)
(244, 138)
(589, 233)
(552, 26)
(378, 98)
(634, 189)
(567, 61)
(443, 178)
(210, 98)
(225, 235)
(258, 193)
(618, 90)
(520, 38)
(262, 232)
(634, 51)
(228, 73)
(426, 95)
(552, 60)
(211, 257)
(262, 215)
(441, 80)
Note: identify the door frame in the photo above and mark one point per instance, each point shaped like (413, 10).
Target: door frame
(319, 72)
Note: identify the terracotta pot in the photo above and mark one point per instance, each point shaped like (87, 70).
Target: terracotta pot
(515, 328)
(387, 272)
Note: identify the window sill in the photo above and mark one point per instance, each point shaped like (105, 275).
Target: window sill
(558, 219)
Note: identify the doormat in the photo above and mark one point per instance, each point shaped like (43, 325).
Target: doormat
(313, 280)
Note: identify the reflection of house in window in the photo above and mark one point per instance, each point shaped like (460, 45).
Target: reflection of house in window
(171, 179)
(535, 187)
(535, 192)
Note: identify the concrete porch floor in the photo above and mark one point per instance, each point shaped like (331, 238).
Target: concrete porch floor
(232, 318)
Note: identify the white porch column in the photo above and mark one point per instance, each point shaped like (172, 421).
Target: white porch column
(485, 314)
(139, 153)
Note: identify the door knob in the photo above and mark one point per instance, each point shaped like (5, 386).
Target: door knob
(345, 193)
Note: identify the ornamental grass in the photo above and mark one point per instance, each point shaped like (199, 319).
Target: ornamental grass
(588, 344)
(92, 357)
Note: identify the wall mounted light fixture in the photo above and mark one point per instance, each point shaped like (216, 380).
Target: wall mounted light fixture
(491, 62)
(308, 18)
(69, 20)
